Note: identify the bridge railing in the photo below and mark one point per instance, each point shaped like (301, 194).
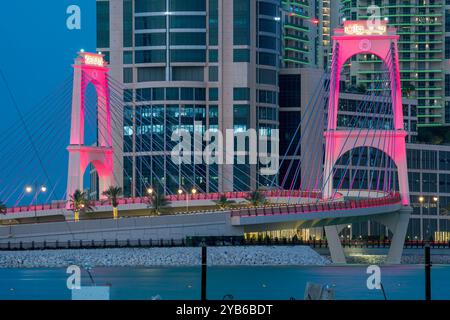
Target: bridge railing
(393, 198)
(208, 196)
(217, 196)
(173, 198)
(43, 207)
(211, 241)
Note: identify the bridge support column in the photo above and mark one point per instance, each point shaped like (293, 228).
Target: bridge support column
(334, 243)
(90, 68)
(347, 44)
(398, 224)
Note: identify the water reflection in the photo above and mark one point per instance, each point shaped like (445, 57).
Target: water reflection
(228, 283)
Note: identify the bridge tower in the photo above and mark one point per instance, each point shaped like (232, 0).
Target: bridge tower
(365, 37)
(90, 68)
(359, 37)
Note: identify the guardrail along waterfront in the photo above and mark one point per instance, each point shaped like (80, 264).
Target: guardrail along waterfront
(216, 241)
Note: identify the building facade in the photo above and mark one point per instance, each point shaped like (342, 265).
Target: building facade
(196, 65)
(307, 27)
(424, 50)
(429, 183)
(428, 165)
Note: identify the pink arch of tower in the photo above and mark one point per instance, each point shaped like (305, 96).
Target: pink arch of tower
(357, 37)
(90, 68)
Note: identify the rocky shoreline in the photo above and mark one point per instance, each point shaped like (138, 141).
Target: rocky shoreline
(187, 256)
(148, 257)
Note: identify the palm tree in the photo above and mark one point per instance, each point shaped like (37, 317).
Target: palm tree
(157, 201)
(79, 202)
(113, 194)
(223, 202)
(2, 208)
(256, 199)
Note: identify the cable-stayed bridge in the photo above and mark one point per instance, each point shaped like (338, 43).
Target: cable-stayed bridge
(317, 191)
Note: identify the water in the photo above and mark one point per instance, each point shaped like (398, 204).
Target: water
(261, 283)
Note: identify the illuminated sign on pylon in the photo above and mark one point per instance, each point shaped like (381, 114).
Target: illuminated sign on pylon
(92, 59)
(361, 28)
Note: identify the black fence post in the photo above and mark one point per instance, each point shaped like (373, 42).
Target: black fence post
(204, 269)
(427, 273)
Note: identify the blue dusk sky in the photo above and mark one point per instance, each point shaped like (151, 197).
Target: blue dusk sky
(37, 51)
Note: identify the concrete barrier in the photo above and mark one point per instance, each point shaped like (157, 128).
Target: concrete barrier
(175, 227)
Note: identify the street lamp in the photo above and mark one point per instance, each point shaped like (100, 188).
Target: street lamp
(422, 202)
(435, 200)
(29, 189)
(150, 191)
(193, 192)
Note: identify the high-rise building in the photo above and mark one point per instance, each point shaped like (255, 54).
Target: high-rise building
(195, 65)
(307, 27)
(428, 165)
(301, 97)
(423, 52)
(299, 87)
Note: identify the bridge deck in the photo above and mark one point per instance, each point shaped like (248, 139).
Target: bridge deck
(316, 211)
(174, 198)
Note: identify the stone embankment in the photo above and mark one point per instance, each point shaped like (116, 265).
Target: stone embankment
(147, 257)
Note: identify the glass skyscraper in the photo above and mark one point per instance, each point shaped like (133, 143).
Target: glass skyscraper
(307, 28)
(424, 50)
(194, 65)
